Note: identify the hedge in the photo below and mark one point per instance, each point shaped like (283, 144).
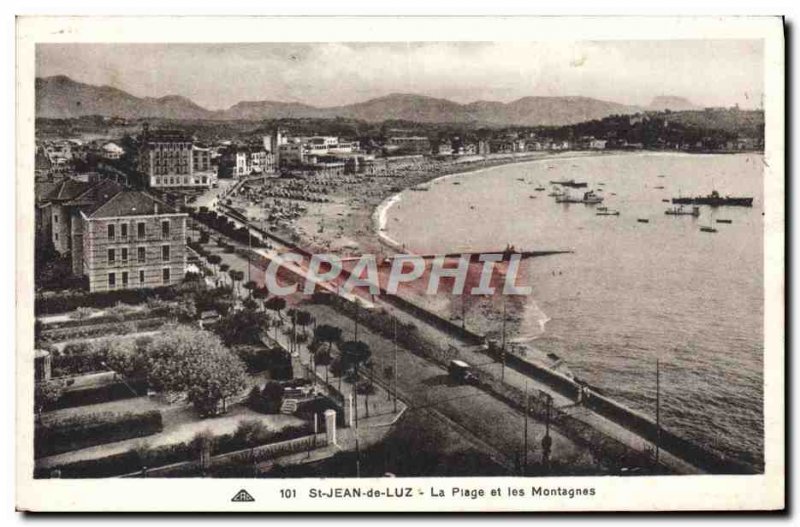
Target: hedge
(94, 330)
(86, 431)
(51, 303)
(101, 394)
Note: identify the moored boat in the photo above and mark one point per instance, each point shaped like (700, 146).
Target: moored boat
(715, 200)
(588, 198)
(570, 183)
(680, 211)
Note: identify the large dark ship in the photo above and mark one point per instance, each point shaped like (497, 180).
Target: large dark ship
(715, 200)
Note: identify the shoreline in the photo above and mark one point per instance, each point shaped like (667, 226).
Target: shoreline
(381, 218)
(380, 213)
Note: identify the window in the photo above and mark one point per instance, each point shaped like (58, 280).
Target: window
(141, 277)
(112, 280)
(56, 234)
(165, 229)
(55, 218)
(110, 231)
(165, 275)
(124, 255)
(165, 253)
(111, 256)
(124, 279)
(141, 254)
(140, 230)
(123, 230)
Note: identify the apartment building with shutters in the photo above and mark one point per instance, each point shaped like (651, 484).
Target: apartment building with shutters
(133, 241)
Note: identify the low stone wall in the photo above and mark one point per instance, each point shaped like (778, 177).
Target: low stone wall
(381, 322)
(253, 456)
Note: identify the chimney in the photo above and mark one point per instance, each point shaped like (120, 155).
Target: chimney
(156, 208)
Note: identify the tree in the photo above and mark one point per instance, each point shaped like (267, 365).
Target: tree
(250, 304)
(128, 358)
(327, 334)
(236, 277)
(251, 286)
(184, 310)
(276, 304)
(241, 327)
(260, 294)
(273, 396)
(214, 260)
(304, 319)
(323, 358)
(187, 360)
(354, 354)
(46, 395)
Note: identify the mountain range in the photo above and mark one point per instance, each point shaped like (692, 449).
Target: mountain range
(61, 97)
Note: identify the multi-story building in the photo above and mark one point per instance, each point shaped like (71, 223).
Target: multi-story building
(252, 160)
(132, 241)
(118, 238)
(167, 160)
(112, 151)
(411, 144)
(62, 203)
(201, 159)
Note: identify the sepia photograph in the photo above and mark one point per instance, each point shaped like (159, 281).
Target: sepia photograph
(419, 265)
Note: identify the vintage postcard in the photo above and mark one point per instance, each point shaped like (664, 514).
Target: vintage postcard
(400, 264)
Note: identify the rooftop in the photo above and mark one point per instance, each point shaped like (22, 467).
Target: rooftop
(166, 136)
(130, 203)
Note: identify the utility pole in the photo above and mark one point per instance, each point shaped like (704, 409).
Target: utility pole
(658, 409)
(358, 458)
(356, 320)
(525, 452)
(503, 346)
(249, 248)
(355, 395)
(464, 312)
(395, 363)
(547, 441)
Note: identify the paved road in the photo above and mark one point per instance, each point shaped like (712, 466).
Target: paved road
(479, 412)
(494, 426)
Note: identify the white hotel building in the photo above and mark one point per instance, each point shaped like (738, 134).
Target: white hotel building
(169, 159)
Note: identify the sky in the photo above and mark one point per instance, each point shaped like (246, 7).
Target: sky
(216, 76)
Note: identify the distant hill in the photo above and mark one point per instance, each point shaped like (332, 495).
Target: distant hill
(261, 110)
(61, 97)
(404, 107)
(675, 104)
(731, 120)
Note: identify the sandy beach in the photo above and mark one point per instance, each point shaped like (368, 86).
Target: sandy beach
(351, 223)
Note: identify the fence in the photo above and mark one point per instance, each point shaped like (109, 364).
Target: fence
(250, 456)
